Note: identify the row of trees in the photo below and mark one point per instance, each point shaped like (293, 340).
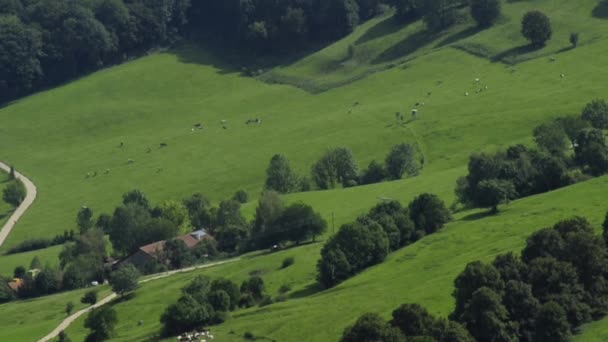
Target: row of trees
(205, 301)
(269, 26)
(558, 283)
(44, 42)
(367, 241)
(520, 171)
(410, 322)
(339, 167)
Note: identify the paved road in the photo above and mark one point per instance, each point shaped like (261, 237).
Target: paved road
(66, 322)
(29, 199)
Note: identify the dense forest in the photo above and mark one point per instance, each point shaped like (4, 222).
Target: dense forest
(46, 42)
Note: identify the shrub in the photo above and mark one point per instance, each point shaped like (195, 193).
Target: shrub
(90, 297)
(429, 213)
(284, 289)
(267, 300)
(101, 321)
(14, 193)
(596, 113)
(241, 196)
(69, 307)
(401, 160)
(124, 279)
(287, 262)
(574, 39)
(536, 27)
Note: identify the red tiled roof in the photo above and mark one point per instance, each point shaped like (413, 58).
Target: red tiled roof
(15, 284)
(155, 247)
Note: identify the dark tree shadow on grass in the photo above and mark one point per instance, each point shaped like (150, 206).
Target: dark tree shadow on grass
(510, 54)
(122, 299)
(459, 36)
(601, 10)
(405, 47)
(385, 27)
(309, 290)
(478, 216)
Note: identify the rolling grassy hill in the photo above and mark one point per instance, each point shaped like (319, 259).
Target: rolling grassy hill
(58, 136)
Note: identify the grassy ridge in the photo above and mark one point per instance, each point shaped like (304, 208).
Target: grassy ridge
(423, 273)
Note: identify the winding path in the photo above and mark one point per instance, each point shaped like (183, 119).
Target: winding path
(27, 202)
(69, 320)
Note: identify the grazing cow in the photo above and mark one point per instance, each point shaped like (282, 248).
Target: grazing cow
(162, 145)
(122, 144)
(198, 125)
(130, 161)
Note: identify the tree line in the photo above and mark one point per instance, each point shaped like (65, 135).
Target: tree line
(46, 42)
(206, 302)
(338, 167)
(568, 150)
(387, 227)
(558, 283)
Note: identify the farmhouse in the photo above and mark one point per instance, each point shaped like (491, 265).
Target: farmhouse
(154, 251)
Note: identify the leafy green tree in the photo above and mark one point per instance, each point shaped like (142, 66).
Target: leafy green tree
(279, 176)
(229, 213)
(543, 243)
(510, 266)
(336, 166)
(35, 263)
(230, 288)
(6, 293)
(177, 254)
(90, 297)
(229, 238)
(270, 206)
(126, 225)
(407, 10)
(485, 12)
(199, 210)
(487, 319)
(574, 36)
(104, 222)
(63, 337)
(299, 222)
(84, 219)
(20, 52)
(355, 247)
(19, 272)
(552, 324)
(184, 315)
(125, 279)
(374, 173)
(536, 27)
(591, 151)
(241, 196)
(413, 320)
(8, 7)
(177, 213)
(572, 125)
(402, 160)
(429, 213)
(333, 267)
(136, 197)
(596, 113)
(475, 276)
(388, 211)
(370, 327)
(101, 321)
(450, 331)
(14, 193)
(522, 307)
(219, 300)
(69, 307)
(492, 192)
(294, 23)
(441, 14)
(254, 286)
(551, 137)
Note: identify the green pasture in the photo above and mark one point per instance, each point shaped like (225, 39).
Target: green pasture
(60, 136)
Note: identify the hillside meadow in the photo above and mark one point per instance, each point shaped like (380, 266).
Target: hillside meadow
(68, 141)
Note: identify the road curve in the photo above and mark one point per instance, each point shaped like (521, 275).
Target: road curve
(29, 199)
(69, 320)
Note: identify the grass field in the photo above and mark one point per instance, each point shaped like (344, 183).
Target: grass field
(32, 319)
(423, 273)
(58, 136)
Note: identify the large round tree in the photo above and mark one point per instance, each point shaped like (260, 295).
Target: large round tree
(536, 27)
